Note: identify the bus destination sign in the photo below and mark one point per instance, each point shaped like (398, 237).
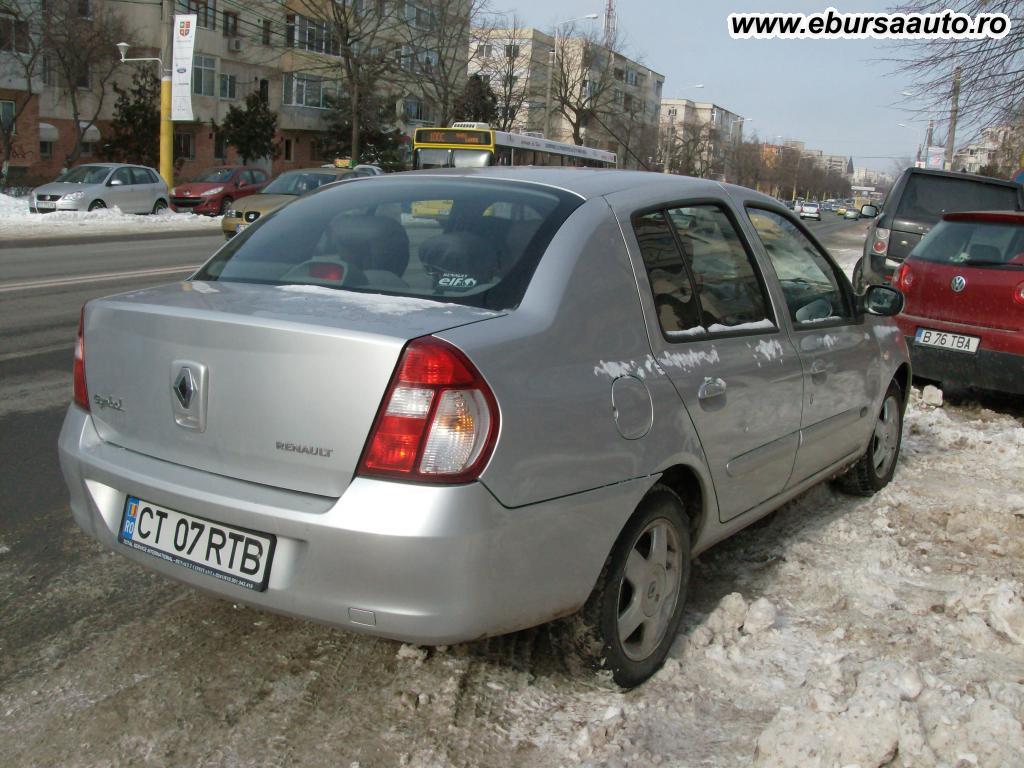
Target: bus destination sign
(453, 136)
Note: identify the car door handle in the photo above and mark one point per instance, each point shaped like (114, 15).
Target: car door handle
(819, 367)
(711, 388)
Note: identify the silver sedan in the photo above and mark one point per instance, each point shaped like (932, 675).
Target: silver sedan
(130, 188)
(540, 402)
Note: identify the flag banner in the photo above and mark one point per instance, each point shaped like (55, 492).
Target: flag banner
(181, 67)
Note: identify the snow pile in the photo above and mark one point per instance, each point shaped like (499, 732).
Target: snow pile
(17, 223)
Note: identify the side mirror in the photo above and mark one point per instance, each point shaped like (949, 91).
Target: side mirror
(868, 211)
(882, 300)
(241, 183)
(115, 183)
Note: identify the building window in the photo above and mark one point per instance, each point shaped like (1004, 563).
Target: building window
(228, 86)
(486, 50)
(289, 151)
(414, 109)
(220, 146)
(631, 77)
(311, 35)
(230, 24)
(14, 35)
(511, 51)
(205, 11)
(87, 149)
(184, 146)
(264, 90)
(45, 150)
(266, 32)
(49, 74)
(7, 116)
(85, 9)
(306, 91)
(204, 69)
(84, 80)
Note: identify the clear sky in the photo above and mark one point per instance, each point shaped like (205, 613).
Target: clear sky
(836, 95)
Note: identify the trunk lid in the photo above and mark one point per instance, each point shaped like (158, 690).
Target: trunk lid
(284, 381)
(985, 300)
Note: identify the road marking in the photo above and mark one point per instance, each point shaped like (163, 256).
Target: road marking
(100, 277)
(34, 352)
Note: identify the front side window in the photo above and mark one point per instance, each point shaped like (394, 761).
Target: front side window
(122, 176)
(809, 282)
(392, 237)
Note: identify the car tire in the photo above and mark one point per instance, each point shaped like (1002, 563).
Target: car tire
(159, 205)
(858, 276)
(876, 466)
(225, 205)
(97, 205)
(650, 587)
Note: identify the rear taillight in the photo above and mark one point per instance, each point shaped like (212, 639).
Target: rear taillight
(881, 242)
(903, 278)
(438, 420)
(1018, 293)
(81, 393)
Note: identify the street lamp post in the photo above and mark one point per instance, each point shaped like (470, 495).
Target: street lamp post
(166, 126)
(552, 58)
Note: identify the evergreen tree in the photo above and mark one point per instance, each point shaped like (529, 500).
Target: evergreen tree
(136, 124)
(477, 102)
(251, 130)
(380, 142)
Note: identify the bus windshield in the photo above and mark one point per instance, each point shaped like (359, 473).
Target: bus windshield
(435, 157)
(471, 158)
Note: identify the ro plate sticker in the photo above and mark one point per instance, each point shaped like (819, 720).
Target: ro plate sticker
(131, 518)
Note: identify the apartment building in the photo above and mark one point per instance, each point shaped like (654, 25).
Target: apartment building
(698, 136)
(984, 153)
(285, 50)
(612, 101)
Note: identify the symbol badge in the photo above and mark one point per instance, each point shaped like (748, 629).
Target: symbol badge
(189, 382)
(958, 284)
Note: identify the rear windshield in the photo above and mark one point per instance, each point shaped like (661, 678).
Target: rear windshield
(299, 182)
(926, 198)
(466, 241)
(973, 244)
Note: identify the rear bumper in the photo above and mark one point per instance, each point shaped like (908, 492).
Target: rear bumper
(997, 365)
(430, 565)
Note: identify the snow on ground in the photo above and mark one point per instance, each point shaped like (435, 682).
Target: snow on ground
(886, 631)
(17, 223)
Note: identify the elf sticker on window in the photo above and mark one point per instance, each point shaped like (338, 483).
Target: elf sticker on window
(452, 280)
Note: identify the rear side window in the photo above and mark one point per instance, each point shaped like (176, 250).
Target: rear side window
(141, 176)
(702, 278)
(973, 243)
(456, 240)
(926, 198)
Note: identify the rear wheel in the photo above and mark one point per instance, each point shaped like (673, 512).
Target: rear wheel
(630, 620)
(876, 466)
(97, 205)
(159, 205)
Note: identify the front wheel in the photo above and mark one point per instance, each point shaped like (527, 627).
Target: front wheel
(97, 205)
(225, 206)
(630, 620)
(876, 466)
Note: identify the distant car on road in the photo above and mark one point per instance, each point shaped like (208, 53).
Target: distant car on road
(841, 210)
(810, 211)
(402, 427)
(915, 203)
(215, 190)
(91, 187)
(964, 313)
(281, 190)
(851, 213)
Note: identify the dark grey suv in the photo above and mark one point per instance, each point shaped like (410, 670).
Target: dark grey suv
(914, 205)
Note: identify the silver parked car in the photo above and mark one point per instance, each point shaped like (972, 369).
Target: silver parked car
(131, 188)
(541, 404)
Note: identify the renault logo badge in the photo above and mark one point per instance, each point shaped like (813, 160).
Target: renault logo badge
(184, 387)
(958, 284)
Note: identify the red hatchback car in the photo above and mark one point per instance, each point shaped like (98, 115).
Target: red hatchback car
(215, 189)
(964, 311)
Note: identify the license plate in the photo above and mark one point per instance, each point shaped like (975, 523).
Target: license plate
(240, 227)
(233, 554)
(45, 205)
(955, 341)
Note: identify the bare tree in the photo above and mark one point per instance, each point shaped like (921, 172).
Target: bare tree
(435, 50)
(583, 81)
(502, 57)
(992, 71)
(359, 37)
(78, 39)
(746, 163)
(21, 61)
(691, 149)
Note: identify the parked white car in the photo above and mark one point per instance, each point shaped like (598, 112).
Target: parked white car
(131, 188)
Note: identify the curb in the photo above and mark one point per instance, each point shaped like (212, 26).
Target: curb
(109, 237)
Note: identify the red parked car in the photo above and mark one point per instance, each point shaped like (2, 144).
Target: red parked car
(215, 189)
(964, 311)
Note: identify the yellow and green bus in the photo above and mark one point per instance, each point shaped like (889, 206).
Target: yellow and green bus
(477, 145)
